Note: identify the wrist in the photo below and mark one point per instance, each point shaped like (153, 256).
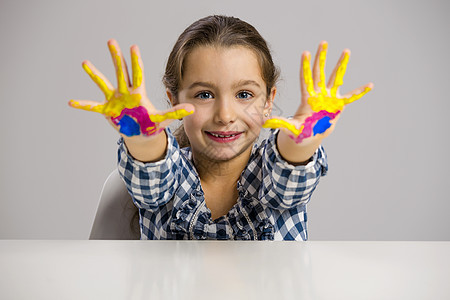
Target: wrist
(297, 153)
(147, 148)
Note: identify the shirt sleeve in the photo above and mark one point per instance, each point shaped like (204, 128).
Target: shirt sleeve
(285, 185)
(150, 184)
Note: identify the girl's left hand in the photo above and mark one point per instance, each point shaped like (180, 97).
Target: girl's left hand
(321, 104)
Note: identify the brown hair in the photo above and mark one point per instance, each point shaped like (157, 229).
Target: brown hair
(220, 31)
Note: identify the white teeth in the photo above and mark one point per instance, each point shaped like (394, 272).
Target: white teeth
(221, 136)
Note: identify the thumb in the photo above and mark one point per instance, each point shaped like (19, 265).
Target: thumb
(175, 113)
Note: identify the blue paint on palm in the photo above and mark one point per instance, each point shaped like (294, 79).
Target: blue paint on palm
(129, 126)
(322, 125)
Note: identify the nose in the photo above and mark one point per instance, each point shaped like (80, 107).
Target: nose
(225, 112)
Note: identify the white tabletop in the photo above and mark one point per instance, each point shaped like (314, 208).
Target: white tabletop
(223, 270)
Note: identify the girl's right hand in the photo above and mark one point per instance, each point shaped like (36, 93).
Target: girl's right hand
(128, 108)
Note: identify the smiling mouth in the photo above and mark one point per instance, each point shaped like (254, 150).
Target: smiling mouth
(223, 136)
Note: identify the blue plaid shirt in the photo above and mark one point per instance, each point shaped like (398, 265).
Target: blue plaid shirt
(272, 195)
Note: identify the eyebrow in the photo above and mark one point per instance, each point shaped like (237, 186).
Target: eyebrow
(211, 85)
(246, 82)
(201, 83)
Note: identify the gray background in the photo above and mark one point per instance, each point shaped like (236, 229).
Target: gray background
(388, 155)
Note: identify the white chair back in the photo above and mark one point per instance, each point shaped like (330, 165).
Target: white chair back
(116, 218)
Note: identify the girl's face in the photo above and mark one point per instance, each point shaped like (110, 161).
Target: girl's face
(229, 95)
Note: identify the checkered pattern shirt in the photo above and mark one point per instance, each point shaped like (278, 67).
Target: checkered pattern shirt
(272, 195)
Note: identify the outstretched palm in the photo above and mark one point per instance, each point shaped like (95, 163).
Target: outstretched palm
(127, 107)
(323, 104)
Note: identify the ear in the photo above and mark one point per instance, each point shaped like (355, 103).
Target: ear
(171, 97)
(269, 102)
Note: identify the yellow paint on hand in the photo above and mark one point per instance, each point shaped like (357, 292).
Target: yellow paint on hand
(95, 108)
(307, 75)
(137, 71)
(277, 123)
(322, 58)
(330, 104)
(178, 114)
(339, 79)
(101, 84)
(357, 96)
(113, 107)
(115, 102)
(122, 84)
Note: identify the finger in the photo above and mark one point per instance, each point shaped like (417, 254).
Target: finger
(282, 123)
(137, 66)
(121, 67)
(319, 68)
(357, 93)
(87, 105)
(103, 83)
(175, 113)
(306, 80)
(337, 77)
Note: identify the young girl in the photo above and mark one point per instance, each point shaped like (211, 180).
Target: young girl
(210, 180)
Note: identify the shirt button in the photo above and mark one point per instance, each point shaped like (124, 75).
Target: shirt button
(197, 194)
